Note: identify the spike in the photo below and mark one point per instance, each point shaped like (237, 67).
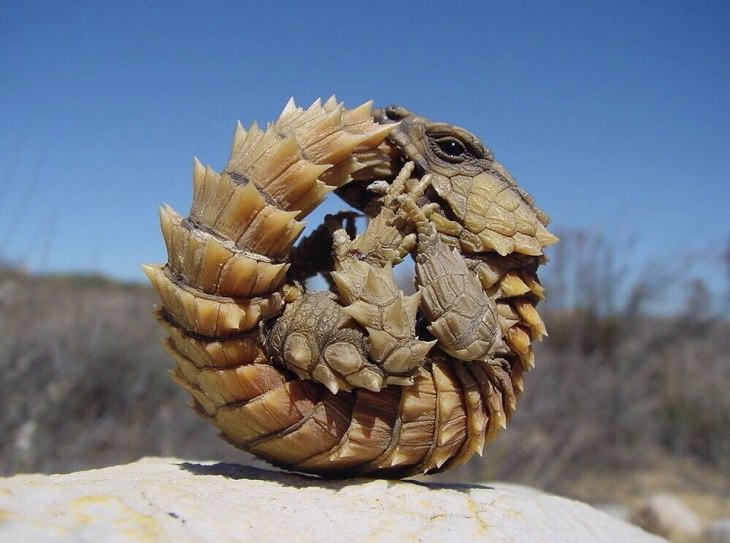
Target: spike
(274, 162)
(322, 374)
(381, 343)
(497, 418)
(399, 359)
(364, 314)
(198, 176)
(331, 104)
(440, 456)
(294, 183)
(397, 456)
(289, 108)
(374, 285)
(518, 381)
(239, 136)
(488, 276)
(528, 359)
(243, 277)
(360, 114)
(501, 380)
(345, 286)
(272, 232)
(204, 265)
(168, 219)
(519, 340)
(527, 245)
(494, 240)
(420, 349)
(367, 378)
(311, 199)
(476, 423)
(240, 211)
(262, 146)
(319, 129)
(512, 285)
(336, 147)
(150, 270)
(222, 188)
(506, 311)
(531, 317)
(268, 277)
(287, 124)
(544, 237)
(179, 239)
(242, 149)
(347, 450)
(376, 136)
(248, 141)
(535, 287)
(205, 184)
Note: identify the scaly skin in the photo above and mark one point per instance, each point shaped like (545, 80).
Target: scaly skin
(363, 380)
(481, 206)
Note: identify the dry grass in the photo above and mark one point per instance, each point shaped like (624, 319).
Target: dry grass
(622, 399)
(618, 392)
(83, 378)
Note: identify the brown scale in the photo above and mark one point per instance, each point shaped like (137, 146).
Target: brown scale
(346, 383)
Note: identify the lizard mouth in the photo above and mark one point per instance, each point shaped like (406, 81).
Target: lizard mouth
(382, 164)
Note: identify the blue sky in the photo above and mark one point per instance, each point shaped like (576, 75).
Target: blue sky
(614, 115)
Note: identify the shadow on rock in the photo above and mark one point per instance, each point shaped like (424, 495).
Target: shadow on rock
(298, 480)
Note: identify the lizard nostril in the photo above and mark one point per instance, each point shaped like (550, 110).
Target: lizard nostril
(392, 114)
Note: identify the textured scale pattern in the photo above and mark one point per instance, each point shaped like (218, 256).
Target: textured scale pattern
(361, 379)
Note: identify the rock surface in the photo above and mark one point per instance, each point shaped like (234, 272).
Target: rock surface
(159, 499)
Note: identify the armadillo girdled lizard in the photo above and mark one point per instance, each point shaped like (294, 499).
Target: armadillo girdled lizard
(361, 379)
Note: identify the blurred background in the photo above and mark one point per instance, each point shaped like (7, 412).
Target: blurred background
(615, 116)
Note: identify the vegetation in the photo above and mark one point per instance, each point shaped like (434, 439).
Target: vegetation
(623, 399)
(84, 381)
(618, 387)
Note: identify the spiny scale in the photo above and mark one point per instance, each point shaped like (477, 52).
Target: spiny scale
(242, 224)
(370, 396)
(370, 296)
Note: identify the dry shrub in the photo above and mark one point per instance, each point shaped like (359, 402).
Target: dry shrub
(83, 378)
(618, 384)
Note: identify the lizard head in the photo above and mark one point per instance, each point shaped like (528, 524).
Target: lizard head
(480, 202)
(443, 150)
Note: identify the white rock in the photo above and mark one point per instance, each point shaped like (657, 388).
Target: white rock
(159, 499)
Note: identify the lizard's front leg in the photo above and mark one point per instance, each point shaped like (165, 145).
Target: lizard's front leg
(370, 296)
(463, 318)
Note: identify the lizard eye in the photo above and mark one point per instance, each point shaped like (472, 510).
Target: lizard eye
(450, 148)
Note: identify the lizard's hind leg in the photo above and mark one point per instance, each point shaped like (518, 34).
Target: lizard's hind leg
(317, 340)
